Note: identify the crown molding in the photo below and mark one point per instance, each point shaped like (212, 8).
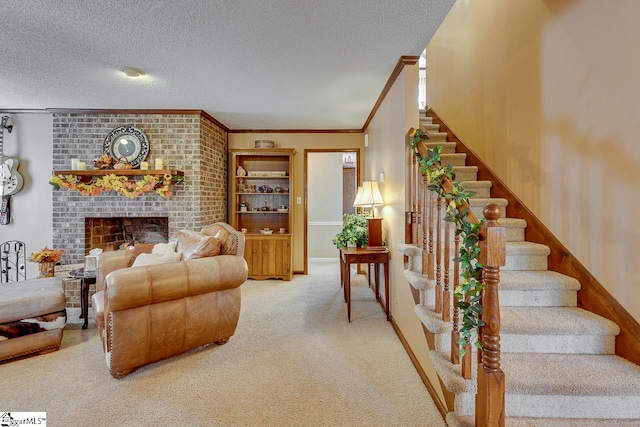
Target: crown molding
(402, 62)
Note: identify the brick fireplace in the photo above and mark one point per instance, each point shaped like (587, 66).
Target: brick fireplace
(189, 142)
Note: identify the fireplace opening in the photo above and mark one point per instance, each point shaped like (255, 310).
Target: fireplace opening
(110, 234)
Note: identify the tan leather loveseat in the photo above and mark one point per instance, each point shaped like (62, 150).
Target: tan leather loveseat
(148, 313)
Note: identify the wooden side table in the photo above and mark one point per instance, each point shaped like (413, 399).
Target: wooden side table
(350, 256)
(86, 279)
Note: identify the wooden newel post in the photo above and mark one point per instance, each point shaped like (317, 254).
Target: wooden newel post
(490, 397)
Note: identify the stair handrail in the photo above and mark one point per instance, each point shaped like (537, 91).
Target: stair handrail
(477, 299)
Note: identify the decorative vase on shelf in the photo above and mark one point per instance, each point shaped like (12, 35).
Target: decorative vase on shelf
(47, 269)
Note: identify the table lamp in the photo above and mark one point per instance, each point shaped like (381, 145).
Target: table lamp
(371, 197)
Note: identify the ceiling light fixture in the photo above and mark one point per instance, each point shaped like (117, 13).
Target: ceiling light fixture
(132, 72)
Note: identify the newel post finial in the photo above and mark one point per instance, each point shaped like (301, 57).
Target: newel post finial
(491, 213)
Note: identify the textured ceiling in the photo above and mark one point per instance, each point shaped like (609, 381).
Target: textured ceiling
(252, 64)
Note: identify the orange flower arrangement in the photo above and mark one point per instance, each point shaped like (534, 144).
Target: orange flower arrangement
(46, 255)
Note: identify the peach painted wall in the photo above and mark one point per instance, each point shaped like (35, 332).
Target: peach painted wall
(546, 92)
(300, 141)
(388, 153)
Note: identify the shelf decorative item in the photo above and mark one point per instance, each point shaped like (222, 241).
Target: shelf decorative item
(122, 163)
(103, 162)
(264, 143)
(128, 142)
(268, 173)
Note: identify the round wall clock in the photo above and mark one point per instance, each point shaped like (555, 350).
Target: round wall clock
(127, 143)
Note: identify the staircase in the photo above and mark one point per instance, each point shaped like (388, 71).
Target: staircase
(559, 360)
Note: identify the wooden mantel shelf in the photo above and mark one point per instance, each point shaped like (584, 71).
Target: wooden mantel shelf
(121, 172)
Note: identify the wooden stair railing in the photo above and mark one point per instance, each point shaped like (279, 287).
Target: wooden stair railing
(426, 227)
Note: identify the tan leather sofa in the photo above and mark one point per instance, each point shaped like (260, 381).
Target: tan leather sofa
(32, 317)
(145, 314)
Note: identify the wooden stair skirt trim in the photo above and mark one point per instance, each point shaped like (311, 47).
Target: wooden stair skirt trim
(592, 296)
(443, 407)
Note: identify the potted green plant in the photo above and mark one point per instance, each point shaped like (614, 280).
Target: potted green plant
(354, 232)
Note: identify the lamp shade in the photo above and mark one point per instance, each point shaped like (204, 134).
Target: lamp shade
(358, 201)
(371, 194)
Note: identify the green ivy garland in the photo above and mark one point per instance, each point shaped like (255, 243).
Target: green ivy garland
(469, 291)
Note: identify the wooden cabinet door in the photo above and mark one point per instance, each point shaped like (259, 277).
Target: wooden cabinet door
(253, 256)
(269, 257)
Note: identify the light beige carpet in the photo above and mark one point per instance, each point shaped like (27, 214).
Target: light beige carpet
(294, 361)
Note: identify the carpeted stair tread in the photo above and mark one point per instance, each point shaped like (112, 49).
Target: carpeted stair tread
(409, 249)
(450, 374)
(570, 374)
(527, 248)
(426, 119)
(537, 280)
(447, 147)
(542, 288)
(514, 228)
(437, 136)
(513, 222)
(568, 422)
(550, 374)
(477, 205)
(483, 201)
(455, 420)
(417, 280)
(466, 173)
(523, 256)
(432, 320)
(482, 188)
(554, 321)
(430, 127)
(453, 159)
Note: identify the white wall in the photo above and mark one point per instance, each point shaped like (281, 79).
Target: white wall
(324, 184)
(388, 153)
(31, 208)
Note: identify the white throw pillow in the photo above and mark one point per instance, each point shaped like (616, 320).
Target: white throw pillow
(151, 259)
(164, 248)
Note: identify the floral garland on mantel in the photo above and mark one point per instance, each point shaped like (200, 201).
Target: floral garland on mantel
(160, 184)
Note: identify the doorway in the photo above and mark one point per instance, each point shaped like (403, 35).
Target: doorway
(331, 179)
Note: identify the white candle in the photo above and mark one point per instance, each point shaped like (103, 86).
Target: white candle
(82, 166)
(144, 165)
(158, 164)
(74, 164)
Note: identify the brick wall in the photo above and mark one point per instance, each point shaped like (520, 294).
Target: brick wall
(188, 142)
